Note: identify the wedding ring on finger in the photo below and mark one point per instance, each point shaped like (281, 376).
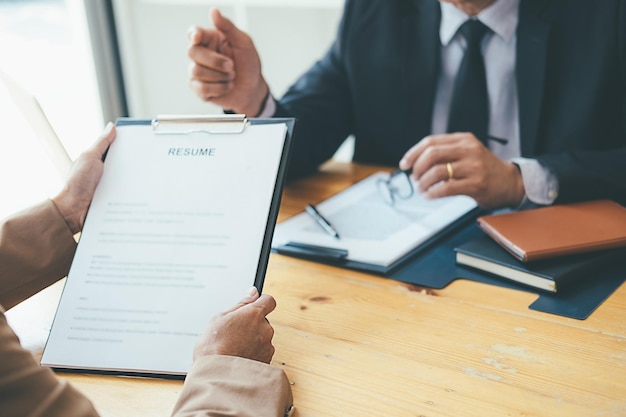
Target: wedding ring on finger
(450, 171)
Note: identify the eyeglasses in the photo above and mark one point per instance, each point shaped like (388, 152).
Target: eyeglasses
(397, 186)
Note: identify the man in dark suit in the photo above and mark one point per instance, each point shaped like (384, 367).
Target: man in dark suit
(554, 127)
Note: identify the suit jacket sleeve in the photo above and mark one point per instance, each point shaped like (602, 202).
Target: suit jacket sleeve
(597, 170)
(36, 249)
(321, 101)
(232, 386)
(589, 175)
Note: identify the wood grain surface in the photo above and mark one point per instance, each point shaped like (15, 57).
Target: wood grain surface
(358, 345)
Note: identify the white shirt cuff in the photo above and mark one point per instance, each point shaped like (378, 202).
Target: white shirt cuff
(269, 108)
(540, 185)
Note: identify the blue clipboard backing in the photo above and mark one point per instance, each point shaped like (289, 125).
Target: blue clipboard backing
(436, 268)
(263, 254)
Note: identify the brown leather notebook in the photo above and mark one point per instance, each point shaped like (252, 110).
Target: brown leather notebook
(558, 230)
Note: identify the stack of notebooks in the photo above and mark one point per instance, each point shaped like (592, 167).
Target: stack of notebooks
(550, 248)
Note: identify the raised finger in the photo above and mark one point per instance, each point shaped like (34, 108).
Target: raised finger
(230, 31)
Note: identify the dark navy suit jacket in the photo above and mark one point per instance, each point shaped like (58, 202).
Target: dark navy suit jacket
(378, 82)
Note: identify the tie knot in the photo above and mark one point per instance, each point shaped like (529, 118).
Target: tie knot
(473, 31)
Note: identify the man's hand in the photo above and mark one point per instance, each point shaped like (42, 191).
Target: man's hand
(241, 331)
(476, 172)
(225, 68)
(75, 197)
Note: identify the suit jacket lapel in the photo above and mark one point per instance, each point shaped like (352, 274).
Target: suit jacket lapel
(532, 45)
(420, 46)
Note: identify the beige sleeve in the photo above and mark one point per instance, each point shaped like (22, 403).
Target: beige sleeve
(232, 386)
(30, 390)
(36, 249)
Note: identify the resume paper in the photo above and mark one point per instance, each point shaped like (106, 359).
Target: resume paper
(173, 236)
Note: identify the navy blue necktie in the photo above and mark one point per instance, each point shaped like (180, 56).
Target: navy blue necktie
(469, 107)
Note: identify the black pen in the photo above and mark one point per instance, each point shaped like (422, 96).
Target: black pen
(321, 220)
(305, 249)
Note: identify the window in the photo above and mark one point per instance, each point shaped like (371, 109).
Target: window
(45, 50)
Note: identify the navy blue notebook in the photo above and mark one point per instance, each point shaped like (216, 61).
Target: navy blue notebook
(552, 275)
(437, 267)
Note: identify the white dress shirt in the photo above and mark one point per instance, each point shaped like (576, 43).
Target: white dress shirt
(499, 55)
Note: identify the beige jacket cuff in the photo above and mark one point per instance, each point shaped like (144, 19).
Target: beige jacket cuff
(36, 250)
(220, 385)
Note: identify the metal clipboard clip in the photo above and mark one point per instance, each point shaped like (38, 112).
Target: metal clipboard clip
(186, 124)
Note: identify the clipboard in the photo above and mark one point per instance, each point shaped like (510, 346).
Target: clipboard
(180, 226)
(229, 124)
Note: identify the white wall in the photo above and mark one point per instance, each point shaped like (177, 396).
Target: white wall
(289, 34)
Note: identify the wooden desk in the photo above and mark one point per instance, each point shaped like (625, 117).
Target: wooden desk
(359, 345)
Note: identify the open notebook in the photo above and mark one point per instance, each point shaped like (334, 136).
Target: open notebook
(374, 235)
